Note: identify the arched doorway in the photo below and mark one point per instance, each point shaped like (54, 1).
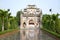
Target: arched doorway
(31, 22)
(24, 24)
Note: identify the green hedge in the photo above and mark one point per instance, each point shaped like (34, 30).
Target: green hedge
(51, 32)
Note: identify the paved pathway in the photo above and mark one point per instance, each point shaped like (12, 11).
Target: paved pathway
(38, 35)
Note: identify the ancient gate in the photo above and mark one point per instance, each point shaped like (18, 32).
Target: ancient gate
(30, 22)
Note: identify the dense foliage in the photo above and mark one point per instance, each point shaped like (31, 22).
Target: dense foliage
(7, 21)
(51, 22)
(18, 16)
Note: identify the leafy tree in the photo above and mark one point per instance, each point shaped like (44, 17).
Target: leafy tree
(0, 24)
(51, 22)
(18, 16)
(13, 23)
(7, 21)
(3, 14)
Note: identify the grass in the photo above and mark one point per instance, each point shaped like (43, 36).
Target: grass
(51, 32)
(6, 31)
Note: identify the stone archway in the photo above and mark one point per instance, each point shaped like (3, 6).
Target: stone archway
(31, 23)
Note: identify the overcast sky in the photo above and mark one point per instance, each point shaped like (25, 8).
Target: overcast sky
(16, 5)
